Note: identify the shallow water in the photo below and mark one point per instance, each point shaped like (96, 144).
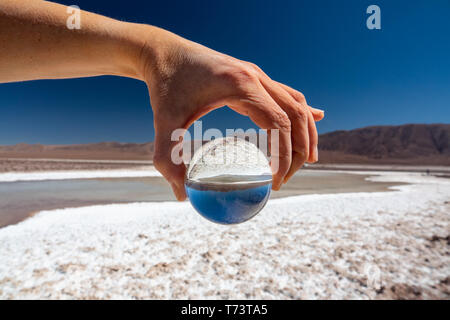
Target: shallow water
(19, 200)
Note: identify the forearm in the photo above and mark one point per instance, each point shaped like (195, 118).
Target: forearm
(35, 43)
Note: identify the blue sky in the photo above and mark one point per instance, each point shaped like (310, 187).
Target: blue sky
(399, 74)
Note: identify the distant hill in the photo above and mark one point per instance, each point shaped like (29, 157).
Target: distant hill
(97, 151)
(416, 144)
(413, 144)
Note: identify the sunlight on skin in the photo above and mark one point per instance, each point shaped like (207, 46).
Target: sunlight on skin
(186, 80)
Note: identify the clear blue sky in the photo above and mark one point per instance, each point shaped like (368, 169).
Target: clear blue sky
(399, 74)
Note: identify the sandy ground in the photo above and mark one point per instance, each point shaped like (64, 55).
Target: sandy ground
(379, 245)
(431, 169)
(36, 165)
(21, 165)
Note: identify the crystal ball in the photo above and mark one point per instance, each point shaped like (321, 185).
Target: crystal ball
(228, 180)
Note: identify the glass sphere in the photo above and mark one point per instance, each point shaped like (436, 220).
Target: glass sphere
(228, 180)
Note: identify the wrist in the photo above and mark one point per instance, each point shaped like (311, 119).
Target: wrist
(126, 47)
(142, 49)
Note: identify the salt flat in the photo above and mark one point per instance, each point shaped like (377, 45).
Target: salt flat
(353, 245)
(146, 171)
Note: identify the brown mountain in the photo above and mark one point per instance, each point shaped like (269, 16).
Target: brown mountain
(416, 144)
(413, 144)
(94, 151)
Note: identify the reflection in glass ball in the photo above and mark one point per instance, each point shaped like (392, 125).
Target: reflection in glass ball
(228, 180)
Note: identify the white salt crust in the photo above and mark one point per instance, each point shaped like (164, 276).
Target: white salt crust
(302, 247)
(81, 174)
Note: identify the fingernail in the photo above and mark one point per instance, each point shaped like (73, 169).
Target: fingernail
(316, 154)
(320, 110)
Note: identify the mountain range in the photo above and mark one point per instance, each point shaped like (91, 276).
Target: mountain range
(410, 144)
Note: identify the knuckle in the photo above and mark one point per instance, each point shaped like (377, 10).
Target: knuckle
(299, 115)
(246, 74)
(306, 156)
(239, 75)
(281, 121)
(301, 148)
(255, 67)
(303, 154)
(285, 156)
(300, 97)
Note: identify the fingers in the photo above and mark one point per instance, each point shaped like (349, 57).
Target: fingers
(313, 140)
(313, 115)
(167, 160)
(280, 156)
(317, 114)
(298, 160)
(297, 113)
(299, 117)
(304, 131)
(267, 114)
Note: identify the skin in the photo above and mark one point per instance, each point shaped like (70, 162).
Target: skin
(185, 80)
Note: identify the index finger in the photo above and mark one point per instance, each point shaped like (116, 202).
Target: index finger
(266, 114)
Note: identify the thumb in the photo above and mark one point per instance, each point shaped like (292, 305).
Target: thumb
(167, 159)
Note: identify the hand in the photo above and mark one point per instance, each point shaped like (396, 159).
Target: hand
(187, 80)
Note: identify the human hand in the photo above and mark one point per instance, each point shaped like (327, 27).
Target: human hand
(187, 80)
